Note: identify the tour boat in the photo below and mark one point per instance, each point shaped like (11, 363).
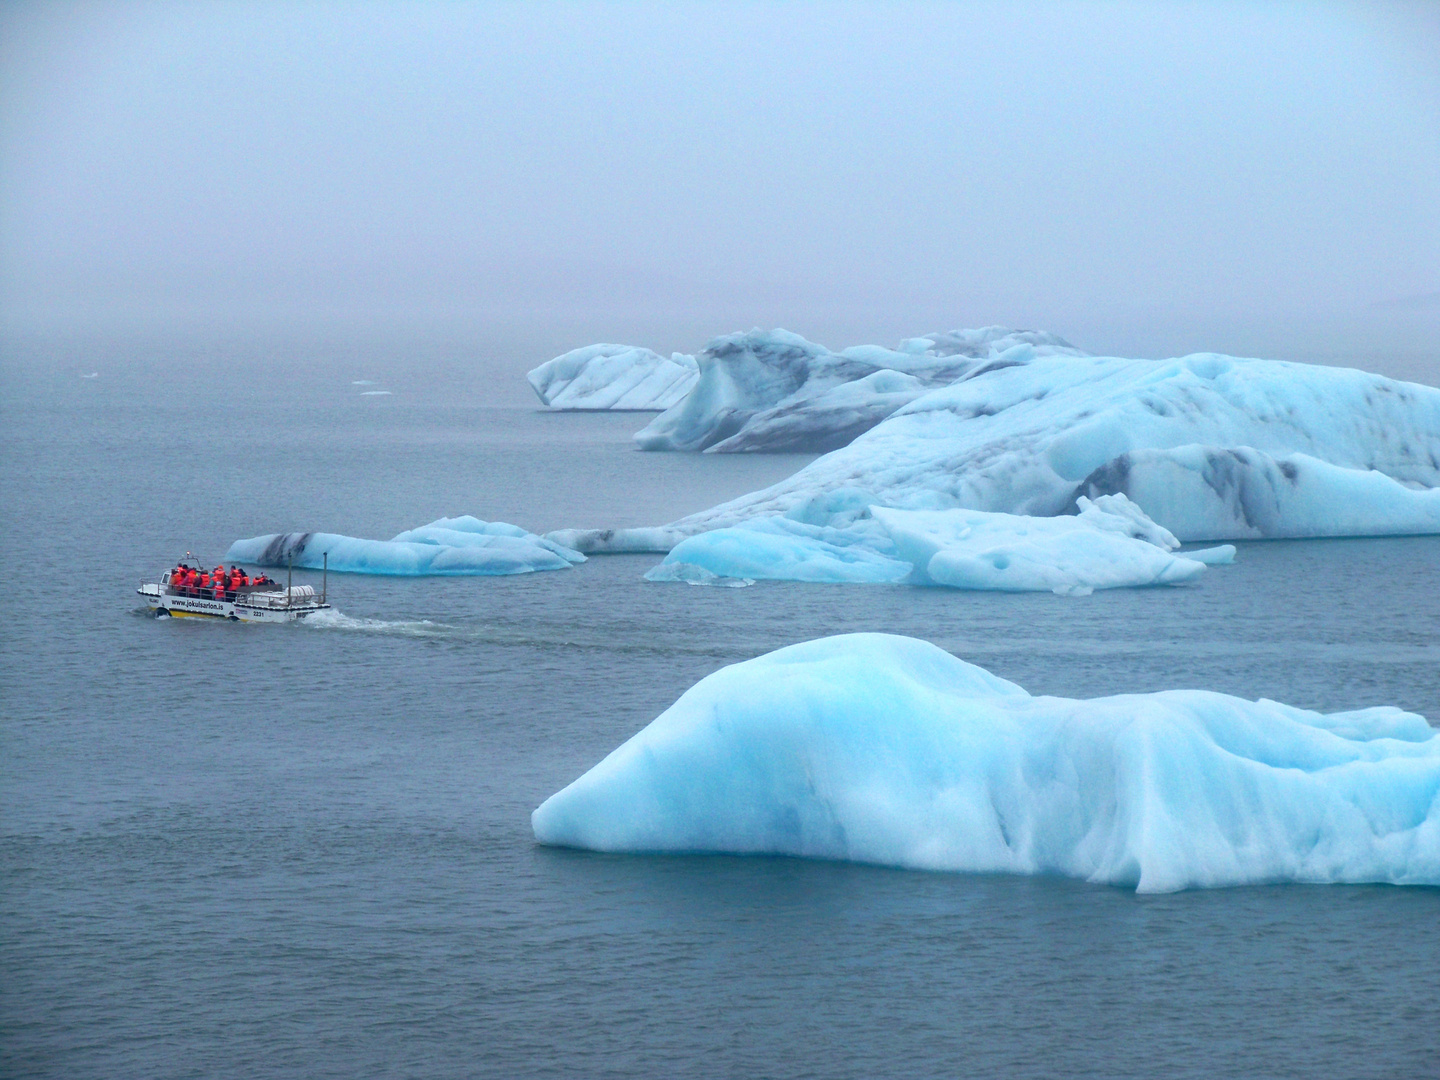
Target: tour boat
(265, 602)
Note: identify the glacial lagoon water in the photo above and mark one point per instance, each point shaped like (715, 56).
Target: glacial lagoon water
(242, 851)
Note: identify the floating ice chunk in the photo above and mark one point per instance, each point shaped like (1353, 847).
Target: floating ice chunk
(449, 546)
(695, 575)
(1104, 547)
(614, 377)
(467, 531)
(775, 391)
(374, 393)
(1209, 491)
(1223, 555)
(1210, 447)
(1109, 544)
(780, 549)
(1115, 513)
(881, 749)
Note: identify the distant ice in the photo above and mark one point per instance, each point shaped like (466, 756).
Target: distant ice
(1210, 447)
(375, 393)
(775, 391)
(881, 749)
(92, 375)
(363, 382)
(448, 546)
(615, 377)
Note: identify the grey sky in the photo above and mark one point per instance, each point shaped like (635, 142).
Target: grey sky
(924, 166)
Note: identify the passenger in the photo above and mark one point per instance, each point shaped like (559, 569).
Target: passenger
(204, 581)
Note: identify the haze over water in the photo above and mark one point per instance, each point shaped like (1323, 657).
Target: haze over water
(306, 851)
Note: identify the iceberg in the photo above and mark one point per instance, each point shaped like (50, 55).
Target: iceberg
(881, 749)
(1109, 544)
(614, 377)
(1210, 447)
(1242, 493)
(449, 546)
(779, 549)
(775, 391)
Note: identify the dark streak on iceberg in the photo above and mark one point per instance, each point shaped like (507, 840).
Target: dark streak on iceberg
(282, 548)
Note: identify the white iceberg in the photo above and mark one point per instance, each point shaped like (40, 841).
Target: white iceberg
(775, 391)
(615, 377)
(1109, 544)
(881, 749)
(448, 546)
(1211, 447)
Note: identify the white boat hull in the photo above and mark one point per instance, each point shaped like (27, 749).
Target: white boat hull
(272, 607)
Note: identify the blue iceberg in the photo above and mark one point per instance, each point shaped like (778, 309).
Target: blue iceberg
(775, 391)
(1211, 447)
(1109, 544)
(882, 749)
(448, 546)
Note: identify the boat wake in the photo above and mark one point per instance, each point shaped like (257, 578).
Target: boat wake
(336, 620)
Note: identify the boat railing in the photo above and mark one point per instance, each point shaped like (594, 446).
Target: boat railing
(267, 594)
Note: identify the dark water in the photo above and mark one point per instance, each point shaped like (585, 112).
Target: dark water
(305, 851)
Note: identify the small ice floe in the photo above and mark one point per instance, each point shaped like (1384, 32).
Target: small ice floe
(449, 547)
(375, 393)
(695, 575)
(92, 375)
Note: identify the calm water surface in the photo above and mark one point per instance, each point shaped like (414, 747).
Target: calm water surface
(244, 851)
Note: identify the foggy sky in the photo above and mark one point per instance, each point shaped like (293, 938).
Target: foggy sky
(921, 166)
